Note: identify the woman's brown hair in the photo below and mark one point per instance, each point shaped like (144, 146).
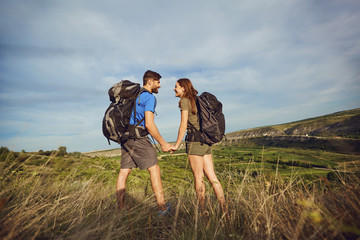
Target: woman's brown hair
(189, 92)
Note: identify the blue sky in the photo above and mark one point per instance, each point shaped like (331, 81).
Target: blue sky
(269, 62)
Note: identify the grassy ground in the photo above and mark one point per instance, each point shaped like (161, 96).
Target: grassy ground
(269, 197)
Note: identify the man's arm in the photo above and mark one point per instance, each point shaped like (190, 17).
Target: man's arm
(154, 132)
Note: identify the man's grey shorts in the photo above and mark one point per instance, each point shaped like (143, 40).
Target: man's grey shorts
(138, 153)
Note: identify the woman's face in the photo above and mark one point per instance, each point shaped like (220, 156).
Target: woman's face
(179, 91)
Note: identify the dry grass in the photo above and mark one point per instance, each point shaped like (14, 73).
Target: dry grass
(41, 206)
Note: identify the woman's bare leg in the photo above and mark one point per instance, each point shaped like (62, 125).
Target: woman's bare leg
(197, 166)
(216, 185)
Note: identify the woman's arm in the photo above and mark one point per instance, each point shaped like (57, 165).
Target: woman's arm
(182, 128)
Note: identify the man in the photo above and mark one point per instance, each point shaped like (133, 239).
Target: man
(138, 151)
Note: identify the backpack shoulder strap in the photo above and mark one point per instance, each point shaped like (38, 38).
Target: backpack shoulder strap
(138, 97)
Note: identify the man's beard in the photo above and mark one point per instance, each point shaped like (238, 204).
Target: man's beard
(155, 90)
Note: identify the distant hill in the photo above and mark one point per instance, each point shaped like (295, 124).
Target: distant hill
(339, 132)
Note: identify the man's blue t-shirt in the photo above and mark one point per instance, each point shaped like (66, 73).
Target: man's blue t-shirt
(147, 103)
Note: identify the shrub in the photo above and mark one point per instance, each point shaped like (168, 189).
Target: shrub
(4, 151)
(62, 151)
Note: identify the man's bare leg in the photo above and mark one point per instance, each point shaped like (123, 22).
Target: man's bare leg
(120, 187)
(157, 187)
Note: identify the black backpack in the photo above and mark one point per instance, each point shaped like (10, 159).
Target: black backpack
(211, 118)
(115, 124)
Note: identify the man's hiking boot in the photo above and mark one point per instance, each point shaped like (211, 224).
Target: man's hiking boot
(166, 212)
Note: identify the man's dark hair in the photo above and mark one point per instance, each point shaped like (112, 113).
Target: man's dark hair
(150, 74)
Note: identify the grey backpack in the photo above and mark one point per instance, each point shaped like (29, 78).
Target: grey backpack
(115, 124)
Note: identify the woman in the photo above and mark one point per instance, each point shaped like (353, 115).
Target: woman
(199, 155)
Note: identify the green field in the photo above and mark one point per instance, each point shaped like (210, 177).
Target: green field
(272, 193)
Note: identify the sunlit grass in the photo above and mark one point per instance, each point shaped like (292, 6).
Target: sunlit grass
(56, 197)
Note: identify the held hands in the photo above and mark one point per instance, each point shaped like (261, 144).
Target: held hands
(174, 148)
(167, 147)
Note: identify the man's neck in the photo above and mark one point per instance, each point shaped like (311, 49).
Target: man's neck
(148, 88)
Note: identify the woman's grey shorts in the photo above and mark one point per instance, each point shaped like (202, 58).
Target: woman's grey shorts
(138, 153)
